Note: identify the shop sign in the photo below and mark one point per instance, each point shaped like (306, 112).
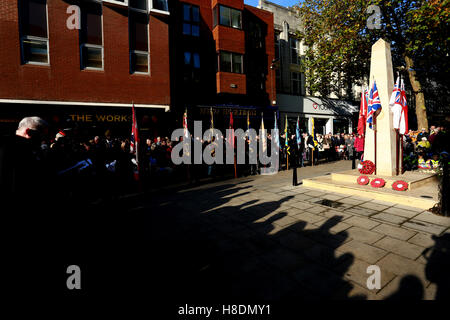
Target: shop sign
(100, 118)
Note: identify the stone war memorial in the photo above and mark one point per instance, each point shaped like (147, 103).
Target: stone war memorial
(386, 181)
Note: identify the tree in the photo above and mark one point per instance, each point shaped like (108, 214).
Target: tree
(339, 42)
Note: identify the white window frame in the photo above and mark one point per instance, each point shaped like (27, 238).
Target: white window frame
(88, 45)
(297, 50)
(150, 8)
(36, 39)
(298, 81)
(132, 71)
(148, 62)
(47, 40)
(120, 3)
(94, 46)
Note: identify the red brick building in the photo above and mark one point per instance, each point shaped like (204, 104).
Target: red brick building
(221, 61)
(160, 54)
(92, 74)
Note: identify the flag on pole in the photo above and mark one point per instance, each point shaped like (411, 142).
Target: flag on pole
(134, 144)
(276, 138)
(248, 120)
(212, 119)
(396, 104)
(231, 137)
(363, 112)
(404, 115)
(297, 133)
(374, 104)
(263, 134)
(286, 140)
(186, 137)
(313, 134)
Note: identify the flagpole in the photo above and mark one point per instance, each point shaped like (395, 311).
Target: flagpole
(375, 142)
(397, 153)
(401, 153)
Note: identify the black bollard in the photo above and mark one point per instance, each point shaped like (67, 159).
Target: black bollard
(445, 207)
(353, 159)
(294, 176)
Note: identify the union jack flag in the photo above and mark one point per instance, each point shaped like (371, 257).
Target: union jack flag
(374, 104)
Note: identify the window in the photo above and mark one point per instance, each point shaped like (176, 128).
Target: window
(191, 66)
(278, 80)
(295, 50)
(34, 34)
(139, 56)
(228, 17)
(277, 45)
(231, 62)
(191, 20)
(160, 5)
(296, 83)
(91, 36)
(138, 4)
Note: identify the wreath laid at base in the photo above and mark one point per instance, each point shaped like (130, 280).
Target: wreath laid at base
(366, 167)
(362, 180)
(378, 183)
(400, 185)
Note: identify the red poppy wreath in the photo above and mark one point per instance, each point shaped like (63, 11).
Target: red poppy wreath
(362, 180)
(367, 167)
(400, 185)
(378, 183)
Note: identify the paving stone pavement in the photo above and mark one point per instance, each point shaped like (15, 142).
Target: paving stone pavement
(302, 247)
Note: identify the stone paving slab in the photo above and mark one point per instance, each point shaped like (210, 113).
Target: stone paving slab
(362, 222)
(432, 218)
(287, 220)
(317, 209)
(413, 289)
(303, 197)
(302, 205)
(328, 284)
(363, 251)
(352, 201)
(373, 206)
(337, 228)
(308, 217)
(402, 266)
(399, 247)
(363, 235)
(386, 217)
(423, 240)
(357, 272)
(408, 208)
(296, 242)
(355, 292)
(394, 232)
(361, 211)
(424, 226)
(330, 213)
(332, 197)
(401, 212)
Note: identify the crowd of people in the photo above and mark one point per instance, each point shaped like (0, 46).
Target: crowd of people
(104, 165)
(425, 150)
